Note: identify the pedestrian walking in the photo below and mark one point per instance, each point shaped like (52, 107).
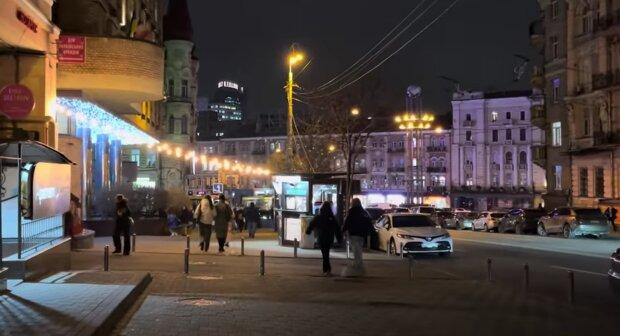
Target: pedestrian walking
(223, 215)
(357, 226)
(204, 214)
(173, 221)
(240, 220)
(611, 213)
(326, 229)
(122, 226)
(252, 219)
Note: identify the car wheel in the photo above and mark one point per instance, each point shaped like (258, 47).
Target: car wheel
(444, 254)
(518, 229)
(566, 231)
(392, 247)
(486, 227)
(540, 229)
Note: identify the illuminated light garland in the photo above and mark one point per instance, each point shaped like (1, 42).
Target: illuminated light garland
(100, 121)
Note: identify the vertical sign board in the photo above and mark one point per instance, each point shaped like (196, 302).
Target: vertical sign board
(71, 49)
(218, 188)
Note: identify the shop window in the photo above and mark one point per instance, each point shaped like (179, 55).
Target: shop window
(135, 156)
(599, 182)
(583, 182)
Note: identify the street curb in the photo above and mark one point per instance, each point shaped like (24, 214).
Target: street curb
(117, 314)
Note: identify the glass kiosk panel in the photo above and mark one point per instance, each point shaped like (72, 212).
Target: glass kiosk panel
(295, 196)
(322, 193)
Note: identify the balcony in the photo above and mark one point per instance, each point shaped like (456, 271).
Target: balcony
(436, 169)
(522, 166)
(469, 123)
(396, 150)
(360, 170)
(396, 169)
(539, 155)
(468, 143)
(436, 149)
(539, 115)
(606, 80)
(436, 190)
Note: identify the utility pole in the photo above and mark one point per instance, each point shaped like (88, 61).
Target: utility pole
(293, 58)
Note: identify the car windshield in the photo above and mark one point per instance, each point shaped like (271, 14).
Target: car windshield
(497, 215)
(588, 213)
(375, 213)
(401, 210)
(427, 210)
(411, 221)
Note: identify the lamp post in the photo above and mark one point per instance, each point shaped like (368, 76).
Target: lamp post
(293, 58)
(413, 125)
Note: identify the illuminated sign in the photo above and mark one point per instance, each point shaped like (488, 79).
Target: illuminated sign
(16, 101)
(227, 84)
(50, 191)
(26, 20)
(71, 49)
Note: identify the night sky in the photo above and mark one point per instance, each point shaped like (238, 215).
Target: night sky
(246, 41)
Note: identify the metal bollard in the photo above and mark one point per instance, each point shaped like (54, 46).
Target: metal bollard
(526, 274)
(411, 268)
(106, 258)
(188, 241)
(186, 262)
(261, 269)
(133, 242)
(295, 243)
(368, 242)
(402, 251)
(348, 249)
(571, 287)
(242, 246)
(489, 262)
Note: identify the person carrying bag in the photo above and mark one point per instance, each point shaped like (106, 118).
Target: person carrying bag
(205, 214)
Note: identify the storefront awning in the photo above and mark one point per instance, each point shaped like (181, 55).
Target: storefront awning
(33, 151)
(100, 121)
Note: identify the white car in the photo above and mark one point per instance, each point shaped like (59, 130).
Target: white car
(488, 221)
(415, 233)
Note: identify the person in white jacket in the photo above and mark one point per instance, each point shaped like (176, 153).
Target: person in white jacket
(204, 214)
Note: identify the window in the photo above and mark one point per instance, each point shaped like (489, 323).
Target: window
(184, 93)
(583, 182)
(508, 158)
(508, 135)
(556, 134)
(468, 136)
(556, 90)
(599, 182)
(414, 162)
(554, 44)
(555, 9)
(522, 134)
(522, 115)
(508, 115)
(171, 125)
(585, 21)
(135, 156)
(171, 87)
(495, 135)
(494, 116)
(150, 160)
(184, 125)
(468, 117)
(586, 126)
(557, 172)
(523, 158)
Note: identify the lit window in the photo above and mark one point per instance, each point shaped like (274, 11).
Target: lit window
(494, 116)
(135, 156)
(556, 134)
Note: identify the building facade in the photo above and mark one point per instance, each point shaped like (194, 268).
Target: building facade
(228, 101)
(181, 78)
(492, 142)
(593, 75)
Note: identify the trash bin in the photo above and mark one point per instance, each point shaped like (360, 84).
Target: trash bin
(307, 241)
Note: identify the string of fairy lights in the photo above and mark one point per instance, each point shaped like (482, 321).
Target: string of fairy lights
(98, 121)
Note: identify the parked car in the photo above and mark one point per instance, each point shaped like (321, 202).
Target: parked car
(520, 221)
(572, 222)
(444, 216)
(427, 210)
(461, 220)
(416, 233)
(614, 271)
(487, 221)
(400, 210)
(375, 213)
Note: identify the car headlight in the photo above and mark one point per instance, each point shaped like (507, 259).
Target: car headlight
(404, 236)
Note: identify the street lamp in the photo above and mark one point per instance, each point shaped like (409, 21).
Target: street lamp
(331, 148)
(355, 111)
(294, 58)
(413, 125)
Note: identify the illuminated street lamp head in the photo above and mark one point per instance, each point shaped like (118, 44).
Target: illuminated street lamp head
(295, 58)
(355, 111)
(331, 148)
(438, 129)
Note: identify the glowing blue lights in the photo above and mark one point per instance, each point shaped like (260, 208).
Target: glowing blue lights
(100, 121)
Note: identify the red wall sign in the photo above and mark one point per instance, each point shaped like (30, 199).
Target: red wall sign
(26, 20)
(16, 101)
(71, 49)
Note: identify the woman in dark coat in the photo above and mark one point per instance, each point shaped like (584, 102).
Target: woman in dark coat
(326, 228)
(123, 226)
(223, 215)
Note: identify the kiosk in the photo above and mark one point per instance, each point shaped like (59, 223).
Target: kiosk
(299, 198)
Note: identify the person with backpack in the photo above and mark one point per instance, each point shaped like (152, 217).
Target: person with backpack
(326, 229)
(357, 226)
(223, 215)
(204, 214)
(252, 218)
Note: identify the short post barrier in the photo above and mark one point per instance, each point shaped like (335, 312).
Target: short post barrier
(489, 263)
(526, 276)
(411, 268)
(348, 249)
(133, 242)
(242, 246)
(295, 244)
(261, 269)
(387, 250)
(106, 258)
(186, 262)
(368, 242)
(188, 241)
(571, 287)
(402, 251)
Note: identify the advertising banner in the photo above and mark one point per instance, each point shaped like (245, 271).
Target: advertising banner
(71, 49)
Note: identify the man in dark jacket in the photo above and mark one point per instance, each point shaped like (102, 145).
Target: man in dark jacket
(326, 229)
(252, 218)
(123, 226)
(357, 226)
